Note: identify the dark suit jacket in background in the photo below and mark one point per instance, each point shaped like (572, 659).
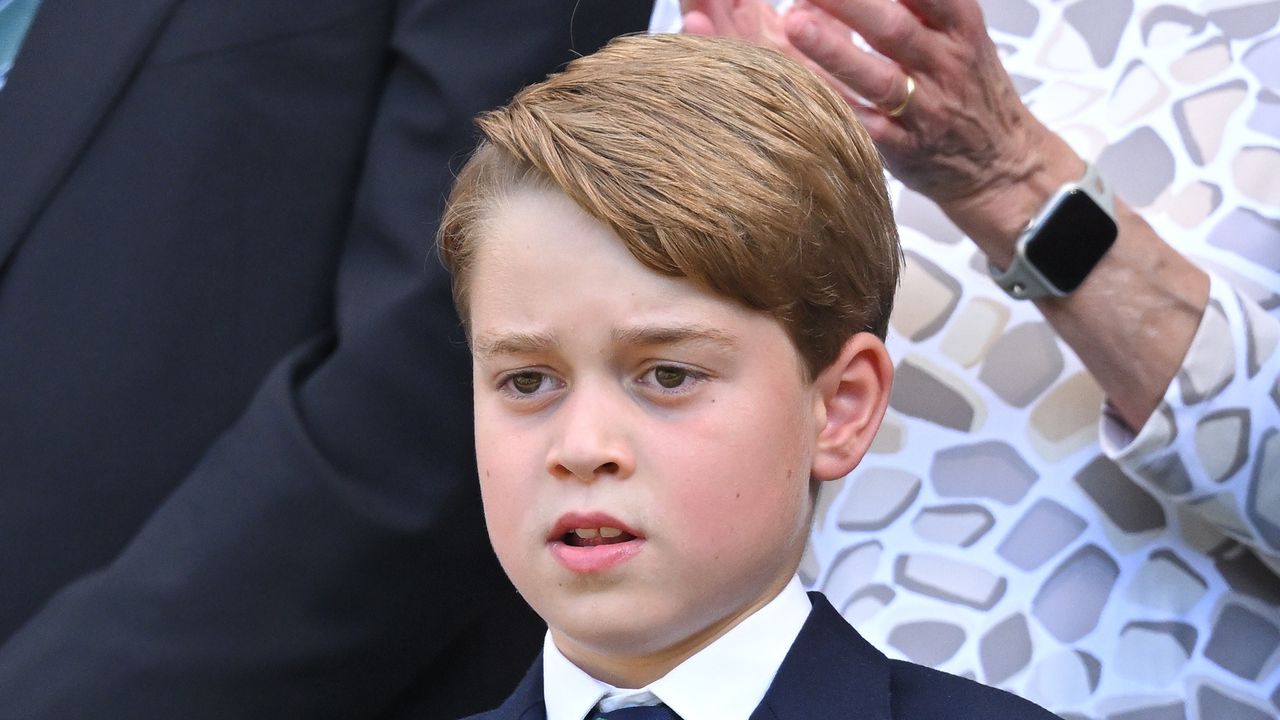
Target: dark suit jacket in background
(831, 673)
(236, 473)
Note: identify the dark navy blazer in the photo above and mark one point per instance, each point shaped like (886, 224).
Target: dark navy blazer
(236, 466)
(831, 672)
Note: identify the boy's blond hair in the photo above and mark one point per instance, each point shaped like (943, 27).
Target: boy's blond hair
(711, 159)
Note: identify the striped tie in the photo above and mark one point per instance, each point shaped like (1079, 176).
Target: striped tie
(15, 18)
(641, 712)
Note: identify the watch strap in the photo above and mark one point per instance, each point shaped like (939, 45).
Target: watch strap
(1021, 280)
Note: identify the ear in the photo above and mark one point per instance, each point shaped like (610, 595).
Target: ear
(853, 393)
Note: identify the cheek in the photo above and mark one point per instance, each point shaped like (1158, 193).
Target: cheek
(743, 475)
(499, 469)
(502, 449)
(496, 512)
(752, 450)
(731, 494)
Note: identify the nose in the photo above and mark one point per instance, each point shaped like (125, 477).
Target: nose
(591, 442)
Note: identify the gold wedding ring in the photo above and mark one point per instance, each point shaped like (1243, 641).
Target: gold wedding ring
(906, 99)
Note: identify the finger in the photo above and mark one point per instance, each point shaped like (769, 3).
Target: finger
(889, 27)
(879, 126)
(888, 136)
(846, 93)
(939, 14)
(750, 20)
(697, 23)
(708, 17)
(827, 43)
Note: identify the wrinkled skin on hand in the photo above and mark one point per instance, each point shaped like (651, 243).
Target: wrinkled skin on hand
(966, 141)
(965, 137)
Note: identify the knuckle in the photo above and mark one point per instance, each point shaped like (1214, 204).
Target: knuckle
(885, 91)
(898, 30)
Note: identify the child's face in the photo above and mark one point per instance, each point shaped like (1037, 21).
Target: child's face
(644, 446)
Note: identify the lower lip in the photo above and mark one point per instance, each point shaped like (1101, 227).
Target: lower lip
(596, 558)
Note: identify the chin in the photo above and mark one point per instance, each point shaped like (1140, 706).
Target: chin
(621, 633)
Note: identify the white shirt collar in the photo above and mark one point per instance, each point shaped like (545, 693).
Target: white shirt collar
(726, 680)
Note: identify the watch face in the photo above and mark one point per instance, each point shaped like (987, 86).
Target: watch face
(1071, 240)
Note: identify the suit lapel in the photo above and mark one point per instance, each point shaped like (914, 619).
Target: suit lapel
(77, 58)
(830, 672)
(525, 702)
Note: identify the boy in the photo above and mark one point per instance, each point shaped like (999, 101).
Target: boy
(675, 262)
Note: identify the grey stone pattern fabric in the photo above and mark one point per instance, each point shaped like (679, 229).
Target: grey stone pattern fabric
(992, 532)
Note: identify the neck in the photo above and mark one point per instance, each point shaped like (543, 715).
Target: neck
(637, 670)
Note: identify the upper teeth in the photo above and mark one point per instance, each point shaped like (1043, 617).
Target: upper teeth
(588, 533)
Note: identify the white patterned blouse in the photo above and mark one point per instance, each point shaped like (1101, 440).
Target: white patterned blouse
(1004, 526)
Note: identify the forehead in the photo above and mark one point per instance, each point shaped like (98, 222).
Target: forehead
(539, 242)
(539, 252)
(542, 265)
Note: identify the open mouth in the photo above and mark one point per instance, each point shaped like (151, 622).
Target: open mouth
(591, 537)
(592, 542)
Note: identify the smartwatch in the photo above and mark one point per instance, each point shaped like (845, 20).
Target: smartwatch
(1063, 242)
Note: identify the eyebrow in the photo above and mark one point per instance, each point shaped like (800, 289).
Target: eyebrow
(515, 343)
(648, 335)
(521, 343)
